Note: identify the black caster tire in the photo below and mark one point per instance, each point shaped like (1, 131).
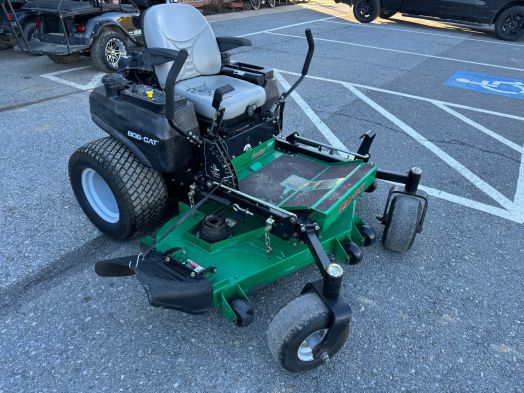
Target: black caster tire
(107, 49)
(5, 46)
(402, 223)
(65, 59)
(355, 253)
(368, 234)
(366, 11)
(297, 328)
(243, 310)
(271, 3)
(510, 24)
(386, 15)
(118, 194)
(372, 188)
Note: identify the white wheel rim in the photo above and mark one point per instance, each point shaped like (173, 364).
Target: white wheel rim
(115, 49)
(305, 351)
(99, 195)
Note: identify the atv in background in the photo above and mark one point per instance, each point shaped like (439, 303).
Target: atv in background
(66, 30)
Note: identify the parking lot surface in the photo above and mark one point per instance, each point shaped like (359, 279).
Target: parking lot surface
(447, 316)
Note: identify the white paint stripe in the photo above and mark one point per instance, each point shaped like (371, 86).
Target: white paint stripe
(64, 82)
(292, 25)
(95, 81)
(496, 211)
(519, 193)
(328, 134)
(461, 37)
(402, 52)
(470, 176)
(52, 76)
(420, 98)
(66, 71)
(480, 127)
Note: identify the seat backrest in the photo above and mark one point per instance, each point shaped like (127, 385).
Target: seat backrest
(180, 26)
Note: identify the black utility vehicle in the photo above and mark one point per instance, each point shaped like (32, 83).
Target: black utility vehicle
(65, 30)
(507, 16)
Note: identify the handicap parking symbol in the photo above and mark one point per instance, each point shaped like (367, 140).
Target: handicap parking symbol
(489, 84)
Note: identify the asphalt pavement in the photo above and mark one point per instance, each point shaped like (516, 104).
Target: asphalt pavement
(445, 317)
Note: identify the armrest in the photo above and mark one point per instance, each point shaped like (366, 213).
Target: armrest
(219, 95)
(156, 56)
(227, 43)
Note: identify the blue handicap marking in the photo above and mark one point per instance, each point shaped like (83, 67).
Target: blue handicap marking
(513, 88)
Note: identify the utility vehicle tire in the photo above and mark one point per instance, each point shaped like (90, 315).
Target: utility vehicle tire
(366, 11)
(119, 194)
(297, 328)
(510, 24)
(107, 49)
(29, 31)
(255, 4)
(386, 15)
(402, 225)
(65, 59)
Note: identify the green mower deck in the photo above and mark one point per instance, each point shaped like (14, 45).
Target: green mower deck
(323, 192)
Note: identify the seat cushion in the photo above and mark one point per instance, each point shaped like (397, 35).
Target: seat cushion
(200, 91)
(181, 26)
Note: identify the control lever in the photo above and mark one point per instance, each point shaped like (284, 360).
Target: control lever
(305, 67)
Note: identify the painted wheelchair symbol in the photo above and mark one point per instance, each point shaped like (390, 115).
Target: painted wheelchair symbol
(505, 87)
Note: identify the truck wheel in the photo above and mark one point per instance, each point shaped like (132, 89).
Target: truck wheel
(107, 49)
(366, 11)
(119, 194)
(510, 24)
(402, 223)
(386, 15)
(65, 59)
(296, 330)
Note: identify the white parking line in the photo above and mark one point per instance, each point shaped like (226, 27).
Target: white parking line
(292, 25)
(513, 211)
(480, 127)
(460, 36)
(52, 76)
(402, 52)
(406, 95)
(461, 169)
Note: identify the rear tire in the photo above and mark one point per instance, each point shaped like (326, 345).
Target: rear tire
(119, 194)
(510, 24)
(107, 49)
(366, 11)
(65, 59)
(304, 320)
(402, 223)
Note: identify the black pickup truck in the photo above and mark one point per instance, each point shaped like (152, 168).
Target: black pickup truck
(506, 15)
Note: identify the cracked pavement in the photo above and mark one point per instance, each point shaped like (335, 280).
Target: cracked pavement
(445, 317)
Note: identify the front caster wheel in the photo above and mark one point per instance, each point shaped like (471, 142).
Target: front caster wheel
(368, 234)
(354, 252)
(402, 223)
(243, 311)
(297, 329)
